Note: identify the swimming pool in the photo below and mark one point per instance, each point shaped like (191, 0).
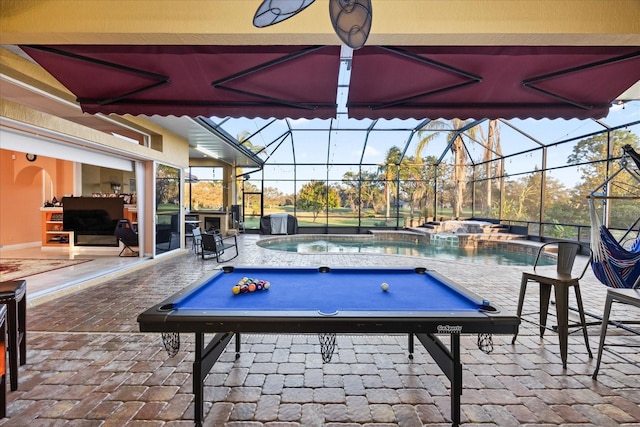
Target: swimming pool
(412, 246)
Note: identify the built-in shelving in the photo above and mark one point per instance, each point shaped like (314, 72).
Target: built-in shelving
(53, 234)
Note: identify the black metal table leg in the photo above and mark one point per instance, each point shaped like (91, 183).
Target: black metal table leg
(205, 358)
(449, 362)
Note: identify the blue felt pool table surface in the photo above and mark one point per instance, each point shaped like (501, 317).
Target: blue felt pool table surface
(338, 290)
(343, 300)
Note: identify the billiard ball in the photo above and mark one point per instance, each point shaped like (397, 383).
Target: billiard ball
(252, 287)
(266, 285)
(385, 286)
(235, 290)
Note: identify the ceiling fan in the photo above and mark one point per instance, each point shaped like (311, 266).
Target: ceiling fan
(351, 19)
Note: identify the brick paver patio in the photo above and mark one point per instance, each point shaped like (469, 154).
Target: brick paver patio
(88, 365)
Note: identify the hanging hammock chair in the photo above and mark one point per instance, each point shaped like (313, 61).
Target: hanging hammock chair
(612, 264)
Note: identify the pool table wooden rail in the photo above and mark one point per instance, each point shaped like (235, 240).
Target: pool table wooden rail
(341, 323)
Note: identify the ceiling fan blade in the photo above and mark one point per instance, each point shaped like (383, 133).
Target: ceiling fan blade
(351, 20)
(273, 11)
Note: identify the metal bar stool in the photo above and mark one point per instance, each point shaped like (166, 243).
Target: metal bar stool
(13, 293)
(560, 278)
(3, 361)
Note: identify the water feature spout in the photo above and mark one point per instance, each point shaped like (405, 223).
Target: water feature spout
(449, 240)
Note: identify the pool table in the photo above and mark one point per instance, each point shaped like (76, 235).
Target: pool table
(418, 302)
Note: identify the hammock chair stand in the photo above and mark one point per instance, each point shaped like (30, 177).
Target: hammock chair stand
(612, 264)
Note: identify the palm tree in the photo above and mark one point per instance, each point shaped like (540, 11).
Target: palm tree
(492, 149)
(415, 175)
(243, 139)
(411, 181)
(456, 143)
(389, 172)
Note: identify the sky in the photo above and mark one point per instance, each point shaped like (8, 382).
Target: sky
(314, 144)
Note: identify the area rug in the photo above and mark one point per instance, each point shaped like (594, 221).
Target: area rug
(18, 268)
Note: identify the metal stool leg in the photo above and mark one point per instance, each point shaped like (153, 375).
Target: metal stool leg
(523, 291)
(545, 296)
(562, 313)
(583, 320)
(603, 333)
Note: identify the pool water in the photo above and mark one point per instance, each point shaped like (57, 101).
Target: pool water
(393, 247)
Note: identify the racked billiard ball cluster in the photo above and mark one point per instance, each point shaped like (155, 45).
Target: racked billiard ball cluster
(247, 284)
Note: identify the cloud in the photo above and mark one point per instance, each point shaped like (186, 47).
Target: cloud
(371, 153)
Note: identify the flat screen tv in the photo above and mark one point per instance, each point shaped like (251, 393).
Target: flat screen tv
(92, 219)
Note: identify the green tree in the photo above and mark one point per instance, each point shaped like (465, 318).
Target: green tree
(522, 198)
(167, 185)
(593, 156)
(316, 197)
(558, 204)
(372, 191)
(365, 190)
(273, 197)
(351, 190)
(206, 195)
(492, 150)
(389, 173)
(252, 206)
(416, 182)
(412, 182)
(243, 138)
(458, 175)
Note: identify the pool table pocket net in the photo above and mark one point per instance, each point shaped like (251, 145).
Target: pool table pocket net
(327, 346)
(171, 342)
(485, 343)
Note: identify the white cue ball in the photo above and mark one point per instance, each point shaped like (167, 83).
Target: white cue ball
(385, 286)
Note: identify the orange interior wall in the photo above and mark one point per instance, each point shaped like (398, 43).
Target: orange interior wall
(21, 194)
(65, 177)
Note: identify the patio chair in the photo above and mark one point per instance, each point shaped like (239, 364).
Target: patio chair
(127, 236)
(213, 244)
(239, 226)
(196, 241)
(559, 277)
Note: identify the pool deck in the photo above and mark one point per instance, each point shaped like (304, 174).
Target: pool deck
(88, 365)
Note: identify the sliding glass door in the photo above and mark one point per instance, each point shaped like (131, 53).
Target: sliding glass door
(168, 234)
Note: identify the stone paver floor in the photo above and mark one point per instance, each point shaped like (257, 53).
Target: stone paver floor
(88, 365)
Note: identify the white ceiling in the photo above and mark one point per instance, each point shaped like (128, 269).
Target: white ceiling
(202, 133)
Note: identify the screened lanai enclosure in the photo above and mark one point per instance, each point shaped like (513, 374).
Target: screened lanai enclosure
(386, 137)
(351, 176)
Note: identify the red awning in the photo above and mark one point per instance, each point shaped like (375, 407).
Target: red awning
(301, 82)
(490, 82)
(239, 81)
